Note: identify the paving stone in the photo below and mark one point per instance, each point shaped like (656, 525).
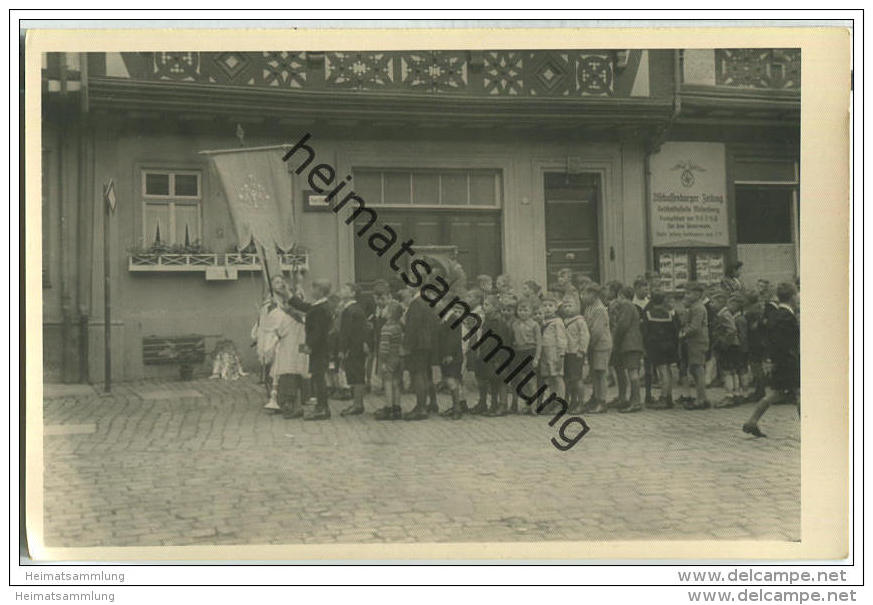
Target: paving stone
(69, 429)
(215, 469)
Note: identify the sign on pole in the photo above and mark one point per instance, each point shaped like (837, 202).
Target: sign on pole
(109, 203)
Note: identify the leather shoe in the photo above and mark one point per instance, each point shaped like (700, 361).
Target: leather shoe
(616, 404)
(753, 429)
(353, 410)
(415, 414)
(479, 409)
(386, 413)
(322, 414)
(447, 413)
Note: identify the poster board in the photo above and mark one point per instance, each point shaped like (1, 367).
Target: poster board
(689, 195)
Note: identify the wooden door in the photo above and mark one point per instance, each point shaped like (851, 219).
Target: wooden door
(572, 239)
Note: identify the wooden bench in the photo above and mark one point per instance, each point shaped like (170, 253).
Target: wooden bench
(186, 351)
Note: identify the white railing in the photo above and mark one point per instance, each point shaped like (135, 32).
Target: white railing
(240, 261)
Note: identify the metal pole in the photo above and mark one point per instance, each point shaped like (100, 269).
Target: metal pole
(107, 320)
(266, 271)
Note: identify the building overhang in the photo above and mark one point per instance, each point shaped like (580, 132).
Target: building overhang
(192, 99)
(714, 105)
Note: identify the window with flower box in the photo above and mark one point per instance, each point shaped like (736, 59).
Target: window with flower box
(171, 207)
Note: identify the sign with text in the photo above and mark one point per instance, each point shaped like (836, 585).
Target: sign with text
(689, 195)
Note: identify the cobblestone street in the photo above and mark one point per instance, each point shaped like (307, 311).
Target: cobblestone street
(201, 463)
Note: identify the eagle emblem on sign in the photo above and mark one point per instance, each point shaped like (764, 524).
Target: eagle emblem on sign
(686, 177)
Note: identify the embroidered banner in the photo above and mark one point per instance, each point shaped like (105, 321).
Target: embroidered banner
(258, 189)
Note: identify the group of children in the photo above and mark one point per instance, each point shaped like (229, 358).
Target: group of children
(576, 334)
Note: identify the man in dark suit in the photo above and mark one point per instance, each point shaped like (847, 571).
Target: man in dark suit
(354, 335)
(419, 340)
(318, 322)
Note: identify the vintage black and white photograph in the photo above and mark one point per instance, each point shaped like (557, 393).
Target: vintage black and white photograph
(416, 296)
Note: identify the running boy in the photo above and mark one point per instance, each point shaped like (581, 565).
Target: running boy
(784, 333)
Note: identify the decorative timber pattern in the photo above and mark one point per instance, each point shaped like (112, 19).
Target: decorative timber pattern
(497, 73)
(758, 67)
(276, 69)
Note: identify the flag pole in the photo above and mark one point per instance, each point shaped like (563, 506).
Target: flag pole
(236, 149)
(266, 270)
(107, 320)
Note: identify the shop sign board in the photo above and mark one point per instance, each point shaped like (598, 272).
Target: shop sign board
(689, 195)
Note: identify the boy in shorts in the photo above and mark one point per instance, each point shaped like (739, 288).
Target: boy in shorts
(627, 342)
(599, 345)
(554, 346)
(577, 346)
(695, 334)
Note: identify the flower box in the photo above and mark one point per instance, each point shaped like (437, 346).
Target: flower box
(233, 261)
(172, 262)
(250, 261)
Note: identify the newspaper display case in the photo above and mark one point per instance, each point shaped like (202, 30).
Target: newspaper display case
(677, 266)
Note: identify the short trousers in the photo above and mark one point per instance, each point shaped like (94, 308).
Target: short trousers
(395, 374)
(785, 375)
(552, 366)
(451, 370)
(599, 360)
(730, 359)
(419, 361)
(573, 367)
(521, 352)
(629, 360)
(390, 364)
(661, 354)
(697, 356)
(354, 367)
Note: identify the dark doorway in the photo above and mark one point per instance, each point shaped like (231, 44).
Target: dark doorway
(572, 239)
